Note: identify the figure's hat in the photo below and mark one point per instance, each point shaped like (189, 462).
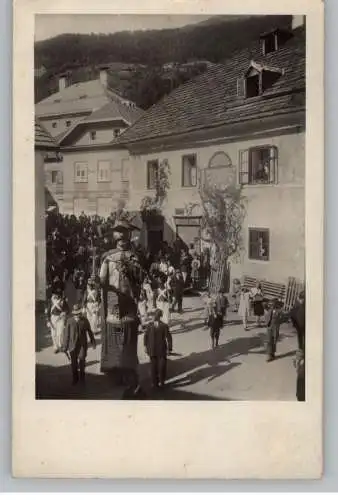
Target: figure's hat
(76, 309)
(124, 225)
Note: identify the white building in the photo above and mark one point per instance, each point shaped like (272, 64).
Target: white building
(241, 122)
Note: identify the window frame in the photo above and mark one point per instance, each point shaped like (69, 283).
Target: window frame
(256, 257)
(109, 171)
(68, 122)
(151, 163)
(93, 135)
(273, 159)
(116, 133)
(54, 124)
(191, 184)
(76, 179)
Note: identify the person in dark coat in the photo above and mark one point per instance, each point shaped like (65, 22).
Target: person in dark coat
(299, 363)
(274, 318)
(298, 320)
(178, 291)
(158, 342)
(76, 343)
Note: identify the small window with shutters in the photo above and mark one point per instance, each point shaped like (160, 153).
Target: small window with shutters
(152, 174)
(258, 165)
(259, 244)
(189, 171)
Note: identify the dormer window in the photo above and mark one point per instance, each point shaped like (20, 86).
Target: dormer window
(273, 40)
(257, 80)
(116, 133)
(269, 43)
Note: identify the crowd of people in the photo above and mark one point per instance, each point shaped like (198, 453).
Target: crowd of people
(75, 246)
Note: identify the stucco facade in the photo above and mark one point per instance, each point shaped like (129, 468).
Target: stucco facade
(91, 196)
(278, 207)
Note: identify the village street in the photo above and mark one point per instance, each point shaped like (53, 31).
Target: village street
(236, 370)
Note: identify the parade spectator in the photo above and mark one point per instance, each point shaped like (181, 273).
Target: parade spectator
(214, 315)
(257, 300)
(236, 293)
(274, 318)
(91, 306)
(244, 306)
(297, 316)
(299, 364)
(56, 314)
(142, 308)
(195, 271)
(158, 343)
(178, 290)
(76, 343)
(222, 304)
(163, 301)
(185, 265)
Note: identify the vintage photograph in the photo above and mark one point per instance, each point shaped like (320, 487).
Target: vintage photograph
(170, 207)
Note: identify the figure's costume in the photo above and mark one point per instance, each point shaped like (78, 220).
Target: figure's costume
(91, 304)
(56, 319)
(121, 280)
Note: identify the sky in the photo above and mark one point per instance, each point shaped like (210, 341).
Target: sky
(48, 26)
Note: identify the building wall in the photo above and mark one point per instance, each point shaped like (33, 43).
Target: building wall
(92, 197)
(103, 135)
(40, 234)
(279, 208)
(60, 123)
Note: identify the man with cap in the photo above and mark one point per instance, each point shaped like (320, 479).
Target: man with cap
(76, 343)
(274, 318)
(158, 342)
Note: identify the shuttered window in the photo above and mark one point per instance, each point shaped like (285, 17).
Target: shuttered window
(259, 244)
(189, 171)
(152, 174)
(258, 165)
(81, 171)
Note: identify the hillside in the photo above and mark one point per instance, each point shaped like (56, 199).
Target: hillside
(212, 40)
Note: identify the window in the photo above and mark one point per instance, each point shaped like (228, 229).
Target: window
(55, 176)
(54, 124)
(81, 171)
(270, 43)
(259, 244)
(258, 165)
(152, 174)
(68, 123)
(103, 171)
(257, 80)
(116, 132)
(189, 171)
(93, 135)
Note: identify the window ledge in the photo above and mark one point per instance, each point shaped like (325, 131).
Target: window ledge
(260, 261)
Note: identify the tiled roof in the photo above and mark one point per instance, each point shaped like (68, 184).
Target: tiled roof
(212, 98)
(43, 139)
(115, 109)
(77, 98)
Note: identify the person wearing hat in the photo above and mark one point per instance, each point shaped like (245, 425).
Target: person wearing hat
(91, 305)
(158, 343)
(75, 342)
(121, 278)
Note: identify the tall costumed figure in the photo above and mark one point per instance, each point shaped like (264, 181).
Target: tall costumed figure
(121, 279)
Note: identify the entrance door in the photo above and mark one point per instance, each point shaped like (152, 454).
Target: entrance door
(189, 235)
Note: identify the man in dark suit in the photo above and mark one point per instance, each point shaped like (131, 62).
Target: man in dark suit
(157, 343)
(298, 319)
(76, 343)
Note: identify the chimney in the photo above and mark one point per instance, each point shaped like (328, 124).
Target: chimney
(297, 21)
(62, 82)
(104, 76)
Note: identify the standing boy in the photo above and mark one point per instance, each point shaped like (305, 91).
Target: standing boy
(76, 343)
(158, 342)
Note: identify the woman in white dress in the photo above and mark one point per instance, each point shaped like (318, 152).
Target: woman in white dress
(244, 306)
(149, 294)
(163, 302)
(91, 306)
(56, 319)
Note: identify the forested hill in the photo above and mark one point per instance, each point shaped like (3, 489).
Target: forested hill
(81, 55)
(212, 40)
